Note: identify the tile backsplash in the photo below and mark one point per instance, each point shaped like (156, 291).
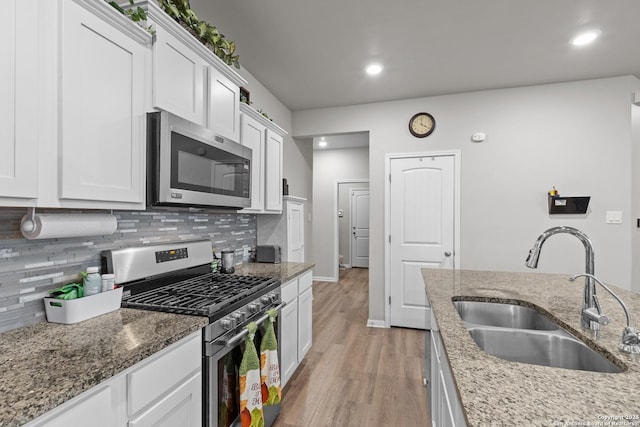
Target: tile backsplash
(30, 268)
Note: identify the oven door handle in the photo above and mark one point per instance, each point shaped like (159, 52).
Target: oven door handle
(233, 340)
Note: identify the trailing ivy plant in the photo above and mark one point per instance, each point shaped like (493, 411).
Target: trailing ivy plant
(135, 14)
(181, 11)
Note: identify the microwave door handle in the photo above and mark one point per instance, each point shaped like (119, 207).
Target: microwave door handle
(233, 340)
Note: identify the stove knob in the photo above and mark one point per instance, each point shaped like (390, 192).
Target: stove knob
(254, 307)
(238, 316)
(228, 323)
(265, 300)
(273, 297)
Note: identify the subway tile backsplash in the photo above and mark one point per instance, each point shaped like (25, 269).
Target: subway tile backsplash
(30, 268)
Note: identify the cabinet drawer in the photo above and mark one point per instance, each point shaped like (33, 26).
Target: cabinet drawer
(163, 372)
(304, 282)
(290, 290)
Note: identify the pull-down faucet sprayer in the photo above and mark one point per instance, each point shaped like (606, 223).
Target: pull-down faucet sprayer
(591, 314)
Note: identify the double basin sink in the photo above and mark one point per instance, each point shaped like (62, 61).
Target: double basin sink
(523, 334)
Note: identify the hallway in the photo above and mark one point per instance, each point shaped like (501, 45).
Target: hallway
(354, 375)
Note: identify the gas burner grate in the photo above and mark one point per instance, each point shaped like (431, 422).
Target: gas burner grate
(201, 295)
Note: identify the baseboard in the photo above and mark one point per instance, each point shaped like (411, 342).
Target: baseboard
(324, 279)
(376, 324)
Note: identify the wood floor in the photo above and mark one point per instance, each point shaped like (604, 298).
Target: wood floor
(354, 375)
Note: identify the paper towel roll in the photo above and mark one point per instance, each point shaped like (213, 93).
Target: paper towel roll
(50, 226)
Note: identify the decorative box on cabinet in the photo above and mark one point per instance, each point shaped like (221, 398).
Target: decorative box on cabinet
(285, 230)
(266, 140)
(296, 323)
(191, 81)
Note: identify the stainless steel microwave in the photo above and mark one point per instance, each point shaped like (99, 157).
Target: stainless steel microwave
(190, 166)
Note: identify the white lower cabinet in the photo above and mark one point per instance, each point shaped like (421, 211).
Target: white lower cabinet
(296, 323)
(446, 409)
(163, 390)
(102, 406)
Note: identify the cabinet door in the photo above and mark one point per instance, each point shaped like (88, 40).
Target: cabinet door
(305, 322)
(181, 407)
(289, 340)
(101, 406)
(18, 99)
(295, 232)
(223, 115)
(178, 78)
(252, 135)
(273, 172)
(102, 116)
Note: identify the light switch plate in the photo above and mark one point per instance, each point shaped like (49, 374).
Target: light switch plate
(614, 217)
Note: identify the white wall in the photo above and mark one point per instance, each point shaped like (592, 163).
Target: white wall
(328, 167)
(576, 136)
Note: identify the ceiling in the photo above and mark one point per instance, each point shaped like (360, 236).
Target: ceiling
(341, 141)
(312, 54)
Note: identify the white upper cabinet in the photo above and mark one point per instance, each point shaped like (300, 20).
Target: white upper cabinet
(189, 80)
(253, 135)
(178, 78)
(103, 111)
(273, 172)
(223, 115)
(265, 139)
(18, 102)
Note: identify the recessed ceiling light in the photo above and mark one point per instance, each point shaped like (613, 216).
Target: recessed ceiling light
(585, 38)
(374, 69)
(322, 144)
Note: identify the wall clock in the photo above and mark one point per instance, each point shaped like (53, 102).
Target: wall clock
(422, 125)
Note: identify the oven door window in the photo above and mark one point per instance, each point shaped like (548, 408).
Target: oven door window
(203, 168)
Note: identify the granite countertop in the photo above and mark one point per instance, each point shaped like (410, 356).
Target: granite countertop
(496, 392)
(44, 365)
(284, 271)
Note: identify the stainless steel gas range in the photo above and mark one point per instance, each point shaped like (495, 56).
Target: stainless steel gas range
(177, 278)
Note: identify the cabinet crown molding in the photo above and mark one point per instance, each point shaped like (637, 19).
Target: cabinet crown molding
(159, 17)
(117, 20)
(251, 112)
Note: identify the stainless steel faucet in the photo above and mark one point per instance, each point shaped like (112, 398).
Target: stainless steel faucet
(592, 316)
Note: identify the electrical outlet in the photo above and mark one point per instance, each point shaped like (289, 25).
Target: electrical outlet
(245, 252)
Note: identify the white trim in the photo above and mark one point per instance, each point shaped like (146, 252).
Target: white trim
(376, 324)
(387, 210)
(324, 279)
(334, 213)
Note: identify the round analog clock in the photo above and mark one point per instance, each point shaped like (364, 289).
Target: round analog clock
(421, 125)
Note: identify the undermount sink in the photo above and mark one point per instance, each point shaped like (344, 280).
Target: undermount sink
(522, 334)
(503, 315)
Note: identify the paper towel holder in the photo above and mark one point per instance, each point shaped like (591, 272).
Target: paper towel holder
(45, 226)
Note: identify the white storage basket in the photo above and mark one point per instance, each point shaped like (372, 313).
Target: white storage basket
(79, 309)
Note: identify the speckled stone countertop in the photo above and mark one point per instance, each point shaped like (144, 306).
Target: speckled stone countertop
(284, 271)
(495, 392)
(44, 365)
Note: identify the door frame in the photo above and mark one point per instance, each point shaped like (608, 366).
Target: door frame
(336, 241)
(351, 222)
(387, 223)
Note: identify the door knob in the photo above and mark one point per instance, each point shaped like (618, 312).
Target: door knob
(447, 254)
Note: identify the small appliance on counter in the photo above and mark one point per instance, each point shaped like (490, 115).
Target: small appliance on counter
(268, 254)
(227, 262)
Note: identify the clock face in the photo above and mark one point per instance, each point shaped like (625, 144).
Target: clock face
(421, 125)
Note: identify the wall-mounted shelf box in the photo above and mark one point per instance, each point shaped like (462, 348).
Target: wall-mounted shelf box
(568, 205)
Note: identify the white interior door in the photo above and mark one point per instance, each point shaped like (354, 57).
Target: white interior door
(360, 228)
(421, 231)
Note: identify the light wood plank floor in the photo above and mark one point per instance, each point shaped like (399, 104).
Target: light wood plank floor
(354, 375)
